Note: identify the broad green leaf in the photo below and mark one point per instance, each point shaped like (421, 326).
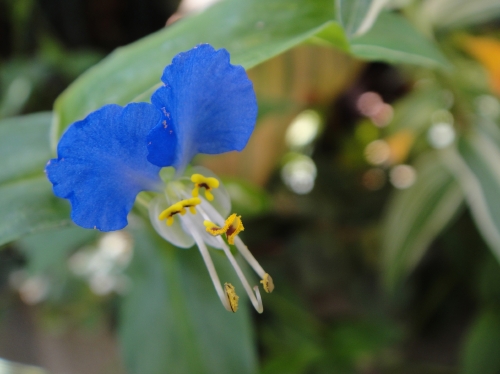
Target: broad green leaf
(172, 320)
(26, 199)
(416, 216)
(393, 39)
(475, 164)
(24, 146)
(480, 353)
(28, 206)
(46, 254)
(251, 30)
(358, 16)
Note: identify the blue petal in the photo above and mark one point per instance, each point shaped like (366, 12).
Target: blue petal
(208, 106)
(102, 164)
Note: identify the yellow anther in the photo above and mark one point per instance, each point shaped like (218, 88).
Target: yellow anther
(231, 228)
(179, 208)
(207, 183)
(171, 211)
(191, 204)
(213, 229)
(232, 298)
(235, 228)
(267, 283)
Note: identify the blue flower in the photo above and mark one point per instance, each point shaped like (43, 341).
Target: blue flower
(102, 165)
(206, 105)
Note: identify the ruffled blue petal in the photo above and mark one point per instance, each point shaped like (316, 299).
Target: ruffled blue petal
(102, 164)
(208, 106)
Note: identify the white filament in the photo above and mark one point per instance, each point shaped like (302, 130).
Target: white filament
(214, 216)
(255, 298)
(211, 269)
(245, 252)
(189, 229)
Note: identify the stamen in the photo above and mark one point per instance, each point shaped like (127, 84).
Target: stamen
(213, 229)
(171, 211)
(179, 208)
(231, 228)
(232, 298)
(234, 229)
(207, 183)
(213, 273)
(255, 299)
(245, 252)
(267, 283)
(191, 204)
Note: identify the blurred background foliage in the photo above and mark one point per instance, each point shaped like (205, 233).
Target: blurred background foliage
(369, 190)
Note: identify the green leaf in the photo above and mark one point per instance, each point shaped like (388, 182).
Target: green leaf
(475, 164)
(48, 255)
(28, 206)
(393, 39)
(24, 146)
(358, 16)
(26, 199)
(416, 216)
(251, 30)
(351, 14)
(172, 320)
(481, 347)
(414, 111)
(459, 13)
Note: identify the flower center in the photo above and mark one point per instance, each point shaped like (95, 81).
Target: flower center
(215, 225)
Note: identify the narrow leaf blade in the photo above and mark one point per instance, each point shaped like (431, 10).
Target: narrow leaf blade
(352, 13)
(475, 165)
(416, 216)
(358, 16)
